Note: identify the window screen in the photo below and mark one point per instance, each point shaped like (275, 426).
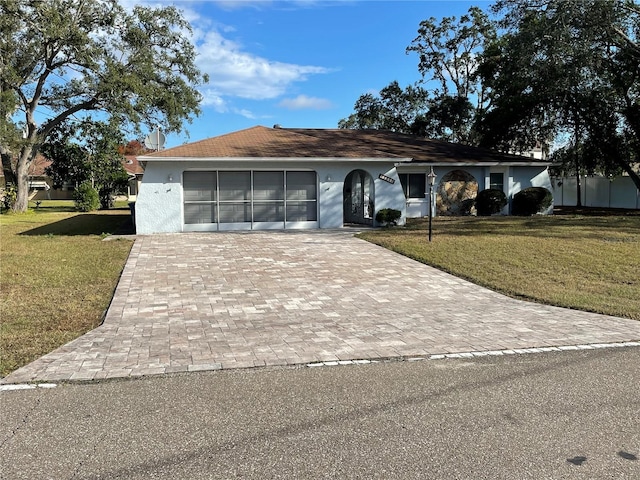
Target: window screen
(268, 186)
(199, 186)
(235, 186)
(301, 185)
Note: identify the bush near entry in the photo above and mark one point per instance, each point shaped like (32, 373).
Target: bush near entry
(490, 201)
(530, 201)
(388, 216)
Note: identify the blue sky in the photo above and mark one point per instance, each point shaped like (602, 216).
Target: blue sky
(299, 63)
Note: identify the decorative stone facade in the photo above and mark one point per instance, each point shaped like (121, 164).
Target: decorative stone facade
(455, 194)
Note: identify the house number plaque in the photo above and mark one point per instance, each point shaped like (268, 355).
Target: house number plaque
(383, 177)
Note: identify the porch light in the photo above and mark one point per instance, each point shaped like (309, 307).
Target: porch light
(432, 180)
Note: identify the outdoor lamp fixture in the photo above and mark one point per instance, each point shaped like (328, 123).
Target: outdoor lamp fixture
(170, 178)
(432, 180)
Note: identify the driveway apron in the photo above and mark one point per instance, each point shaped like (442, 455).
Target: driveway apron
(190, 302)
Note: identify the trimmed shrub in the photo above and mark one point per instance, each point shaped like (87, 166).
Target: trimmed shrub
(86, 198)
(490, 202)
(467, 207)
(9, 196)
(530, 201)
(388, 216)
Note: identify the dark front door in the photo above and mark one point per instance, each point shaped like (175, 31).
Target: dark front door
(358, 198)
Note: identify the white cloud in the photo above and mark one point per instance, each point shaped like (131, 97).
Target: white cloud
(211, 98)
(302, 102)
(236, 73)
(245, 113)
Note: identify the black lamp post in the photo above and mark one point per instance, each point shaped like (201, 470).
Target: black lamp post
(432, 180)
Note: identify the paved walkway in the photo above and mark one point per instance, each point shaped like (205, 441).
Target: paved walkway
(191, 302)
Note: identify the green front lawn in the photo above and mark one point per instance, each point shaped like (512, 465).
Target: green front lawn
(588, 263)
(57, 277)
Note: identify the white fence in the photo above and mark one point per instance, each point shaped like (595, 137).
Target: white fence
(619, 192)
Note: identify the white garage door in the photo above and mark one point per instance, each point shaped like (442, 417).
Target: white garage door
(249, 199)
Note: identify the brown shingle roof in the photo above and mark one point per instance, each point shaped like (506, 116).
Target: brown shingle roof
(132, 166)
(263, 142)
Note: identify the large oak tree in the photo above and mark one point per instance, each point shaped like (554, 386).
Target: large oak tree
(62, 60)
(567, 69)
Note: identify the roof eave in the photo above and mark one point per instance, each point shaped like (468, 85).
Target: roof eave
(475, 164)
(272, 159)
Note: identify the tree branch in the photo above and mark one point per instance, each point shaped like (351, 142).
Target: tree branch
(46, 128)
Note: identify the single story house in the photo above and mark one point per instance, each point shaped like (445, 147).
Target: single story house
(293, 178)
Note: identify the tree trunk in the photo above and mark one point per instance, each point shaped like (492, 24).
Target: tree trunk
(22, 179)
(627, 168)
(7, 168)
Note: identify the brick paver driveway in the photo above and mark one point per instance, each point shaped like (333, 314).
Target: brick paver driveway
(191, 302)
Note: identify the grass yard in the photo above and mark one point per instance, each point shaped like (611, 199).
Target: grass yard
(588, 263)
(57, 277)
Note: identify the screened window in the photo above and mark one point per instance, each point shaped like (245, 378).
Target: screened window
(199, 197)
(199, 213)
(301, 197)
(301, 186)
(268, 186)
(301, 211)
(413, 184)
(268, 212)
(235, 186)
(199, 186)
(249, 197)
(235, 212)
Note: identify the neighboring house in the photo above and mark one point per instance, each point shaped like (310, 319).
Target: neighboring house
(41, 186)
(290, 178)
(135, 172)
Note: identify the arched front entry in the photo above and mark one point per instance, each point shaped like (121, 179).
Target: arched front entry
(358, 194)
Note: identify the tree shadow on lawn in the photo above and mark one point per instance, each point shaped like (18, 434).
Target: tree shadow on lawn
(115, 223)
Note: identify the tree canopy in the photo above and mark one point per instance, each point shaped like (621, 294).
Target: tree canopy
(62, 61)
(567, 71)
(98, 161)
(562, 74)
(394, 108)
(445, 101)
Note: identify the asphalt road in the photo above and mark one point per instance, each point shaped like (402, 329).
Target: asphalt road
(556, 415)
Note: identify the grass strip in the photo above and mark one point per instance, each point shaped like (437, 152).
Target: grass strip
(57, 278)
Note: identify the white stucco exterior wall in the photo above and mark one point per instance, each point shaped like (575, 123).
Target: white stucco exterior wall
(159, 202)
(332, 177)
(159, 206)
(525, 177)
